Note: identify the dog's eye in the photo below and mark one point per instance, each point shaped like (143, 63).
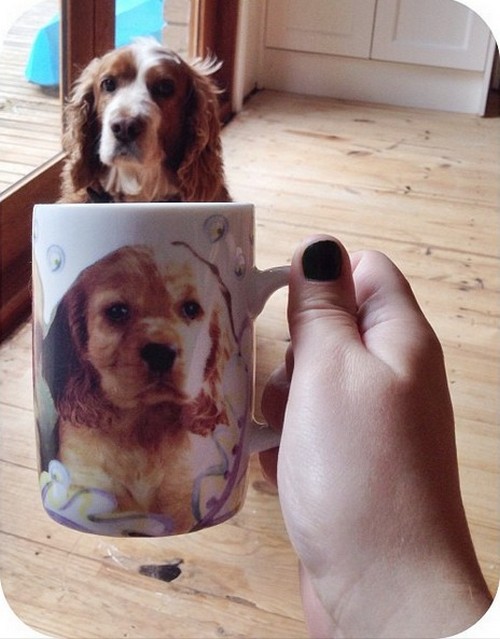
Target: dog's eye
(163, 89)
(191, 309)
(118, 313)
(108, 85)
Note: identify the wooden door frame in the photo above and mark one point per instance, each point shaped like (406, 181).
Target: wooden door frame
(96, 19)
(216, 25)
(87, 30)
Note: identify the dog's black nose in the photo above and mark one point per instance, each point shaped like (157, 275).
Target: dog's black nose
(127, 129)
(159, 357)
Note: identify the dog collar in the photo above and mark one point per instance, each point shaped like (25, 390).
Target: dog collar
(103, 197)
(99, 197)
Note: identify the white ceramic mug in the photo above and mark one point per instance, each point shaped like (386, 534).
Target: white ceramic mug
(144, 363)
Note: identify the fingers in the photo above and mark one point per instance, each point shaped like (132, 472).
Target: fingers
(322, 302)
(275, 396)
(380, 285)
(274, 400)
(269, 465)
(391, 323)
(344, 305)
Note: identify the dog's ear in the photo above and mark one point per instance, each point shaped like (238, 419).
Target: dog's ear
(72, 380)
(81, 133)
(202, 415)
(62, 347)
(201, 172)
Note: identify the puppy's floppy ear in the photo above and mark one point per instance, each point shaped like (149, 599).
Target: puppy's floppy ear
(208, 409)
(62, 347)
(81, 133)
(201, 172)
(202, 415)
(72, 380)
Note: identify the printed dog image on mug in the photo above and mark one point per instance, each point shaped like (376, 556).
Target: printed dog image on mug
(141, 376)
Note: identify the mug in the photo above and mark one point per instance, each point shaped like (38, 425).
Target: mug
(143, 355)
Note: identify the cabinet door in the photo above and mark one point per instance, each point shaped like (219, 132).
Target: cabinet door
(440, 33)
(335, 27)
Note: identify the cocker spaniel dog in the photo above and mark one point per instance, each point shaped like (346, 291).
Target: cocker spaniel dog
(135, 358)
(143, 125)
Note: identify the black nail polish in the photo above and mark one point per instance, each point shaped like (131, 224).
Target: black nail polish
(322, 261)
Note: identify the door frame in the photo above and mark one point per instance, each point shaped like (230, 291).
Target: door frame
(215, 34)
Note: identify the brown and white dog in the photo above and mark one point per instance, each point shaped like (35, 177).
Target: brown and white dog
(142, 124)
(141, 373)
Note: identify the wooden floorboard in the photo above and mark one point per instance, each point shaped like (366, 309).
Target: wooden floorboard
(30, 116)
(421, 186)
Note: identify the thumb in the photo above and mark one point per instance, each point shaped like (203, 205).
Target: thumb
(322, 301)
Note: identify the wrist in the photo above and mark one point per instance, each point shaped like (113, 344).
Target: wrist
(427, 596)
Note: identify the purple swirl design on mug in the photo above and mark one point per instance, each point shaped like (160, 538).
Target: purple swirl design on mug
(92, 509)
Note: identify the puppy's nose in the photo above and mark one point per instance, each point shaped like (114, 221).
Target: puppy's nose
(159, 357)
(127, 129)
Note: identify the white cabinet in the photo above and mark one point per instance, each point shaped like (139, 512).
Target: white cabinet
(431, 32)
(424, 53)
(439, 33)
(341, 27)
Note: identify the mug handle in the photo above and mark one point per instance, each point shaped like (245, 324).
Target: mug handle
(263, 285)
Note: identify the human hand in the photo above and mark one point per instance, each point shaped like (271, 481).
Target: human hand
(367, 471)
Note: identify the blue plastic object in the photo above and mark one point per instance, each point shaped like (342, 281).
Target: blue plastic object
(133, 18)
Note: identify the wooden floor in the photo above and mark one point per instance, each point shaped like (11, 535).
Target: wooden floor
(423, 187)
(30, 116)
